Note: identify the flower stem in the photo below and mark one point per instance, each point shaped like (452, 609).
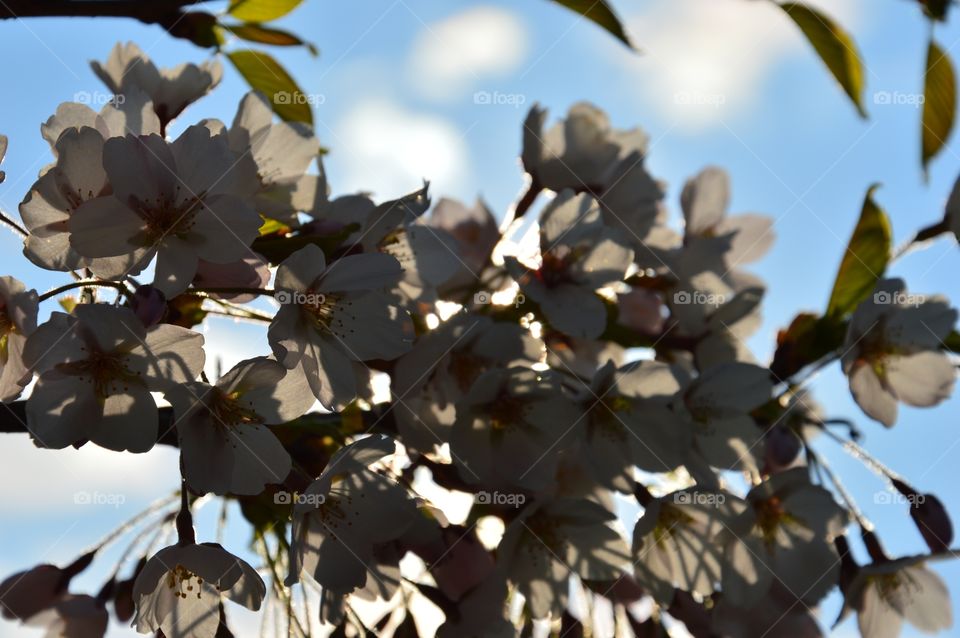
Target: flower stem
(84, 283)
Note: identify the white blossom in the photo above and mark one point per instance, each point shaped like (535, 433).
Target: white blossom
(676, 545)
(344, 513)
(171, 90)
(509, 428)
(548, 542)
(18, 320)
(225, 445)
(97, 369)
(73, 616)
(580, 152)
(442, 366)
(180, 589)
(892, 351)
(181, 201)
(282, 152)
(579, 254)
(333, 316)
(785, 535)
(887, 593)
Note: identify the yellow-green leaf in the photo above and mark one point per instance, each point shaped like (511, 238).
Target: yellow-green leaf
(265, 74)
(864, 261)
(834, 46)
(599, 12)
(261, 10)
(253, 32)
(939, 102)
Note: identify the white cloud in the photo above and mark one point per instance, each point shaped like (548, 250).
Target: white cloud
(703, 61)
(382, 148)
(81, 482)
(452, 55)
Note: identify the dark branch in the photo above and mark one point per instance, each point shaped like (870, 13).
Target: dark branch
(161, 12)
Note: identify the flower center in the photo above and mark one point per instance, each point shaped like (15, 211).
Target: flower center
(163, 216)
(107, 372)
(183, 582)
(228, 409)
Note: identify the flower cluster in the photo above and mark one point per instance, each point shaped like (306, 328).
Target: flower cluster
(550, 370)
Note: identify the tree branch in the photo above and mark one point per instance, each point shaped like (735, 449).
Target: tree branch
(147, 11)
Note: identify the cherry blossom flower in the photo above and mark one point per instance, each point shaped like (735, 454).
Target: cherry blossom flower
(548, 542)
(282, 153)
(579, 255)
(76, 178)
(225, 444)
(886, 593)
(892, 351)
(629, 422)
(97, 369)
(675, 542)
(509, 427)
(73, 616)
(181, 202)
(580, 152)
(171, 90)
(705, 199)
(332, 316)
(776, 615)
(717, 404)
(133, 115)
(442, 366)
(785, 534)
(18, 320)
(476, 233)
(180, 590)
(344, 513)
(428, 255)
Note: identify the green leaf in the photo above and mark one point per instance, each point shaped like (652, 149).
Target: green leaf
(253, 32)
(939, 102)
(807, 339)
(265, 74)
(834, 46)
(865, 259)
(599, 12)
(261, 10)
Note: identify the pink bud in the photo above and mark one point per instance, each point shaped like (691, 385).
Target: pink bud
(149, 304)
(782, 448)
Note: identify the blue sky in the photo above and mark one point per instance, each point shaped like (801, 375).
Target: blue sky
(395, 87)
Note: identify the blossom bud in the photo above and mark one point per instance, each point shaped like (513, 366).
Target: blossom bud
(782, 448)
(149, 304)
